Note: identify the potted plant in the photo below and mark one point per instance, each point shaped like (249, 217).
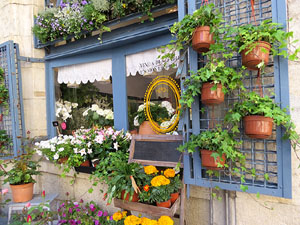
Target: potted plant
(201, 29)
(175, 183)
(99, 117)
(258, 115)
(159, 113)
(211, 81)
(216, 147)
(255, 42)
(160, 191)
(20, 176)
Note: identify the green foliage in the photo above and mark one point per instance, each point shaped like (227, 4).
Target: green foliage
(273, 33)
(23, 168)
(4, 93)
(215, 72)
(175, 184)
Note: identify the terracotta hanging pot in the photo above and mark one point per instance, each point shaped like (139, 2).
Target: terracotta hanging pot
(257, 55)
(259, 127)
(174, 197)
(145, 128)
(211, 97)
(135, 197)
(86, 163)
(63, 160)
(166, 204)
(22, 192)
(209, 162)
(202, 39)
(1, 117)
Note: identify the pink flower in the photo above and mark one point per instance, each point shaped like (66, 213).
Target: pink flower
(4, 191)
(28, 205)
(43, 194)
(29, 218)
(63, 125)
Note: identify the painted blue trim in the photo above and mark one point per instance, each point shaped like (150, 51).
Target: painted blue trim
(282, 96)
(119, 91)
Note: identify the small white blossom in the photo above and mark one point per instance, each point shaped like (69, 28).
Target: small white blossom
(116, 145)
(90, 151)
(56, 156)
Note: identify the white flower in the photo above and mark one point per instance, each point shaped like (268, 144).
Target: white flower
(141, 108)
(110, 131)
(168, 106)
(85, 113)
(136, 121)
(75, 150)
(116, 145)
(82, 152)
(100, 112)
(99, 139)
(165, 124)
(56, 156)
(38, 152)
(95, 107)
(52, 148)
(128, 136)
(90, 151)
(89, 144)
(61, 149)
(75, 105)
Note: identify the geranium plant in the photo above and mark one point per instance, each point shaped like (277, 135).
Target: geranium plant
(99, 117)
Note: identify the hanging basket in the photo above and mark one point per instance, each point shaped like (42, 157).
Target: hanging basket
(202, 39)
(258, 127)
(212, 97)
(209, 162)
(257, 55)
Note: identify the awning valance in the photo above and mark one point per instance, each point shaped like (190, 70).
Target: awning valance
(144, 63)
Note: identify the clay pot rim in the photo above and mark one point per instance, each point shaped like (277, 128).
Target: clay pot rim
(258, 117)
(19, 185)
(261, 44)
(202, 28)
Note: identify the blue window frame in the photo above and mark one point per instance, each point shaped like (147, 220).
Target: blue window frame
(268, 156)
(115, 45)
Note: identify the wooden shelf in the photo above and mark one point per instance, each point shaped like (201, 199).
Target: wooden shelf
(148, 209)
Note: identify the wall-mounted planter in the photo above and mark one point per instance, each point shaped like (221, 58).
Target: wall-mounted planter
(209, 162)
(259, 127)
(202, 39)
(212, 97)
(257, 55)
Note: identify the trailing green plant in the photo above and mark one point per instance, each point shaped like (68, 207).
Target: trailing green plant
(253, 104)
(215, 72)
(273, 33)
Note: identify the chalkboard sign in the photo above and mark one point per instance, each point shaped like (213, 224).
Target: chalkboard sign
(157, 150)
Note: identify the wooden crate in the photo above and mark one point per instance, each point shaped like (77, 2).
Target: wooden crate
(148, 209)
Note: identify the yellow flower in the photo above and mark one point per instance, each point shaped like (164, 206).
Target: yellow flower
(165, 220)
(124, 214)
(124, 6)
(146, 221)
(132, 220)
(117, 216)
(169, 173)
(150, 170)
(159, 180)
(107, 218)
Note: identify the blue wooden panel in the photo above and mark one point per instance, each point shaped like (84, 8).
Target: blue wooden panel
(119, 91)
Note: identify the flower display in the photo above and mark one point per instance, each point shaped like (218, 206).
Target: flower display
(169, 173)
(99, 117)
(132, 220)
(159, 180)
(150, 170)
(117, 216)
(64, 109)
(165, 220)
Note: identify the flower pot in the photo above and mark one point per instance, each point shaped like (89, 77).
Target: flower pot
(133, 131)
(145, 128)
(135, 197)
(259, 127)
(209, 162)
(62, 160)
(174, 197)
(85, 163)
(166, 204)
(202, 39)
(256, 56)
(1, 117)
(212, 97)
(22, 192)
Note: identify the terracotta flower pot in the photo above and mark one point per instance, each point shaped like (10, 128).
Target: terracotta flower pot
(62, 160)
(85, 163)
(1, 117)
(145, 128)
(209, 162)
(202, 39)
(174, 197)
(133, 131)
(22, 192)
(257, 55)
(166, 204)
(135, 197)
(212, 97)
(259, 127)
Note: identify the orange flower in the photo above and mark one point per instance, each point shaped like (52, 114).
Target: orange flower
(146, 188)
(150, 170)
(117, 216)
(169, 173)
(160, 180)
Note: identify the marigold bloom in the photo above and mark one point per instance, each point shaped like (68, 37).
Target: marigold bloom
(150, 170)
(117, 216)
(146, 188)
(146, 221)
(169, 173)
(132, 220)
(160, 180)
(124, 214)
(165, 220)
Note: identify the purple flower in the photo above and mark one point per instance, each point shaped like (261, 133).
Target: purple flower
(62, 221)
(100, 213)
(70, 210)
(111, 218)
(105, 214)
(77, 210)
(63, 215)
(83, 2)
(92, 207)
(97, 222)
(91, 22)
(63, 5)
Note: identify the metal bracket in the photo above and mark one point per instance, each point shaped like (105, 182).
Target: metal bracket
(32, 60)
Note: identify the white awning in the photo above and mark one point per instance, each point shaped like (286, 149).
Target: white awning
(144, 63)
(82, 73)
